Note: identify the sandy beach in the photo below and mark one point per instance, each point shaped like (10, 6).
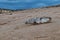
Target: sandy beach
(13, 27)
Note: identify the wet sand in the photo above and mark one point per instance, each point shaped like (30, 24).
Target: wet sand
(13, 27)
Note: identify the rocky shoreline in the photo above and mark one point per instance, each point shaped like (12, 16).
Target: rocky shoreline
(6, 11)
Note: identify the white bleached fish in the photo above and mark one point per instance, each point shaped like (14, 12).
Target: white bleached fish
(38, 20)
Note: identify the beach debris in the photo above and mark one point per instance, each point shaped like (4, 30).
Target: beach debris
(38, 20)
(5, 11)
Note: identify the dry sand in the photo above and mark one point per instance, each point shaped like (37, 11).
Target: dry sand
(12, 27)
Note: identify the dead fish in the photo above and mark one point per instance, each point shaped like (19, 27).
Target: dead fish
(45, 19)
(38, 20)
(30, 21)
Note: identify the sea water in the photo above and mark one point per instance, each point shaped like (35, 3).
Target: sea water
(26, 4)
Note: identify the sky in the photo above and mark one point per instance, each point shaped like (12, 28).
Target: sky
(26, 4)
